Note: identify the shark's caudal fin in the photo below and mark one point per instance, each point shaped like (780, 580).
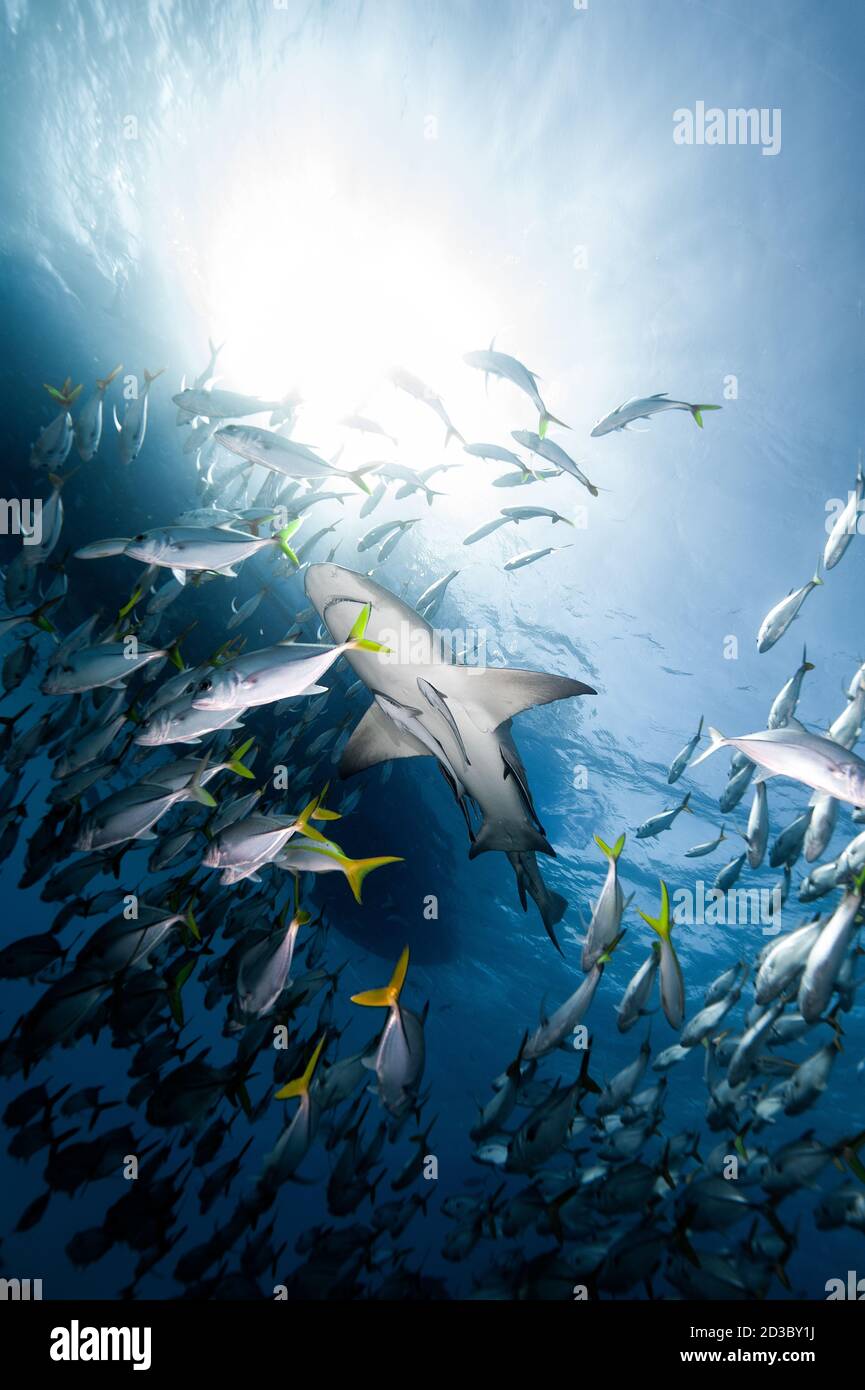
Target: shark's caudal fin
(696, 411)
(300, 1085)
(552, 906)
(388, 995)
(378, 740)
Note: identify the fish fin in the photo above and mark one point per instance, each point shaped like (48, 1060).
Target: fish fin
(376, 739)
(453, 434)
(356, 870)
(283, 536)
(151, 376)
(497, 693)
(607, 954)
(105, 381)
(358, 479)
(661, 924)
(718, 741)
(696, 411)
(321, 812)
(117, 424)
(488, 835)
(179, 575)
(614, 852)
(515, 769)
(303, 827)
(763, 775)
(175, 1002)
(356, 637)
(236, 763)
(585, 1081)
(389, 994)
(300, 1085)
(198, 792)
(548, 419)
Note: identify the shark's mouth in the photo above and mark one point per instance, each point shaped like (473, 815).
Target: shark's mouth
(343, 598)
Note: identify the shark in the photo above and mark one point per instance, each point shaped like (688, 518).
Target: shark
(427, 704)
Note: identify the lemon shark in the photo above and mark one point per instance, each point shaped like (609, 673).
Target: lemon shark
(425, 704)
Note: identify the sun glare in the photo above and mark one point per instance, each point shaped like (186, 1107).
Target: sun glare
(322, 295)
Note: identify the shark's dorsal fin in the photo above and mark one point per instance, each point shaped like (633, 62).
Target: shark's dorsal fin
(378, 740)
(493, 694)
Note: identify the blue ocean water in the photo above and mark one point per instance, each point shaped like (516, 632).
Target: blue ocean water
(334, 188)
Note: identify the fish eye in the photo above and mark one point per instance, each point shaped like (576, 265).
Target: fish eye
(205, 685)
(141, 537)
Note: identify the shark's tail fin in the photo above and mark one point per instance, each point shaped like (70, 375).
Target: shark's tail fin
(696, 411)
(552, 906)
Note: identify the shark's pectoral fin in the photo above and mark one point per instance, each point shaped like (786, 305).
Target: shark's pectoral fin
(492, 694)
(377, 739)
